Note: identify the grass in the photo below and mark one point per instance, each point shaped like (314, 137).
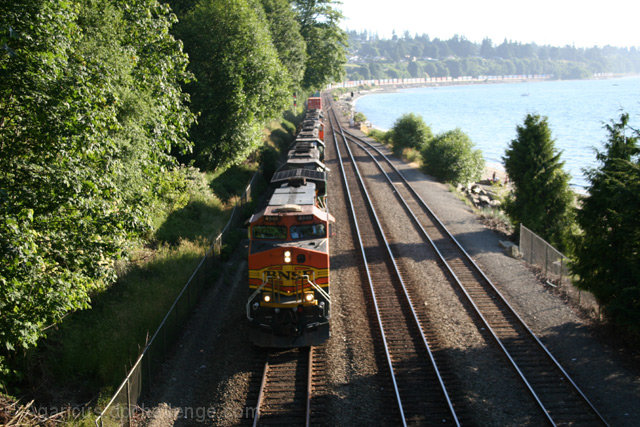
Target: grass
(92, 349)
(88, 354)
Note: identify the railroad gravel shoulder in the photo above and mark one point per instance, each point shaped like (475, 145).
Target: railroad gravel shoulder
(609, 376)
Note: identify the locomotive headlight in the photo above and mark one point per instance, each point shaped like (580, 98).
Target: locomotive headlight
(308, 297)
(287, 256)
(267, 298)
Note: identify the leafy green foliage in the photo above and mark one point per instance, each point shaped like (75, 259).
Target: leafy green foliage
(285, 33)
(450, 157)
(410, 131)
(90, 107)
(359, 117)
(241, 83)
(326, 42)
(607, 255)
(542, 199)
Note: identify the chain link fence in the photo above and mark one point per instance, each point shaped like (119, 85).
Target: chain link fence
(554, 267)
(123, 409)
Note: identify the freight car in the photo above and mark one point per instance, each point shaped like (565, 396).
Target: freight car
(289, 293)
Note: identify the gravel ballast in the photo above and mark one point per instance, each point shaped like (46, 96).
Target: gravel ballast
(214, 368)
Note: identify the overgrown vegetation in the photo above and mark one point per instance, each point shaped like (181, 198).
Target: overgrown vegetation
(420, 56)
(85, 137)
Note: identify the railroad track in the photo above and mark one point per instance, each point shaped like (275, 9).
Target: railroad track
(287, 386)
(556, 394)
(419, 389)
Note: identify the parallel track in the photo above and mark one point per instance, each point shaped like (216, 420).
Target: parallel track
(420, 392)
(557, 395)
(286, 388)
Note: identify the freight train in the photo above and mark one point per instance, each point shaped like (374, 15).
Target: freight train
(289, 298)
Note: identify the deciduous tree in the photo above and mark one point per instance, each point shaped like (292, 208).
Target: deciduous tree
(90, 105)
(450, 156)
(240, 81)
(410, 131)
(285, 33)
(326, 42)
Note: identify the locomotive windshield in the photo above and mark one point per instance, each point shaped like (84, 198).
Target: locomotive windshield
(309, 231)
(271, 232)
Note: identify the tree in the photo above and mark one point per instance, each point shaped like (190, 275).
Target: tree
(607, 256)
(541, 199)
(285, 33)
(450, 157)
(326, 42)
(90, 106)
(410, 131)
(241, 82)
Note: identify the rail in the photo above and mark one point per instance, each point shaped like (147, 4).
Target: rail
(285, 389)
(512, 318)
(388, 332)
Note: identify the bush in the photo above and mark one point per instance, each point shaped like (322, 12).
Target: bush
(410, 131)
(289, 127)
(269, 157)
(450, 157)
(359, 118)
(380, 135)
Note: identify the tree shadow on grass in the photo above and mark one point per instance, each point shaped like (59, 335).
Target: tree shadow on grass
(195, 222)
(232, 182)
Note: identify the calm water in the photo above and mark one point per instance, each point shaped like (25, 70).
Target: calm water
(489, 113)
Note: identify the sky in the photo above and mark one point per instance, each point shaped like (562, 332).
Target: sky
(583, 23)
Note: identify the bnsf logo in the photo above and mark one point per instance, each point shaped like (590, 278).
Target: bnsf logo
(290, 275)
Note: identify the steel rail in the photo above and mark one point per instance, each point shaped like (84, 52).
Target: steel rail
(307, 415)
(366, 266)
(487, 281)
(398, 275)
(264, 385)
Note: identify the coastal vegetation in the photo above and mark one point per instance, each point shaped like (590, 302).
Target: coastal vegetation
(607, 250)
(407, 56)
(541, 198)
(449, 156)
(105, 107)
(599, 231)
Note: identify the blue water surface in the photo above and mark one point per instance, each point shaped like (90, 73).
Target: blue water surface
(489, 113)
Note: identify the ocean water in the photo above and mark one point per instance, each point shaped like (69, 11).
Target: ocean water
(577, 110)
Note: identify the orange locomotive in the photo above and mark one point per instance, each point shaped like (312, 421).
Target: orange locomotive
(289, 302)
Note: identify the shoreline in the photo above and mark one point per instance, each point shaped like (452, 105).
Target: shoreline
(579, 184)
(397, 87)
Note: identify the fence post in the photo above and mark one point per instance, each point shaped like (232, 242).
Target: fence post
(128, 402)
(546, 260)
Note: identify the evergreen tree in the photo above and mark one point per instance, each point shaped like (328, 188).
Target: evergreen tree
(541, 199)
(607, 256)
